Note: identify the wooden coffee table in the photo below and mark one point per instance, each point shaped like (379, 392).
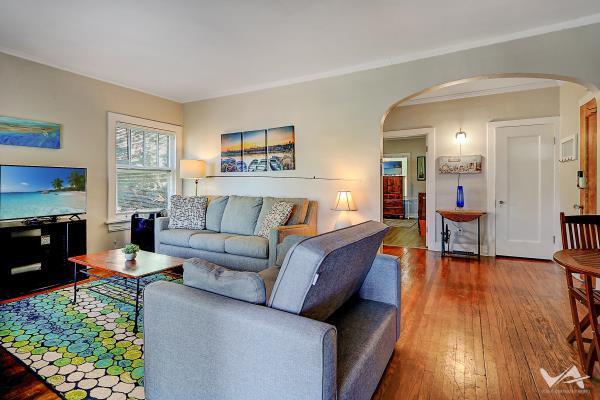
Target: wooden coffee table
(113, 261)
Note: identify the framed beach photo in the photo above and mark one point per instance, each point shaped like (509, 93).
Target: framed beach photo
(395, 166)
(281, 148)
(231, 152)
(421, 168)
(28, 133)
(254, 153)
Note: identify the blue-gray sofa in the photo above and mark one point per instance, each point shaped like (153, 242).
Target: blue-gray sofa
(232, 223)
(324, 326)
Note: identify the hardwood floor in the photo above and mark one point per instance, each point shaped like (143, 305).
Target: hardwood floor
(481, 330)
(469, 331)
(405, 237)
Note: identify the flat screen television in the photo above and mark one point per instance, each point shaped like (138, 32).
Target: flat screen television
(29, 192)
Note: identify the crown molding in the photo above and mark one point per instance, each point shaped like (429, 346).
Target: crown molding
(589, 96)
(542, 84)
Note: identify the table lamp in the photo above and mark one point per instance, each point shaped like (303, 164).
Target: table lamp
(343, 203)
(192, 169)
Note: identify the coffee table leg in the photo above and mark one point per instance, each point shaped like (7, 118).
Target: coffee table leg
(137, 304)
(74, 283)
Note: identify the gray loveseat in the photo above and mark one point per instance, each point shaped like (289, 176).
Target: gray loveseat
(232, 223)
(327, 330)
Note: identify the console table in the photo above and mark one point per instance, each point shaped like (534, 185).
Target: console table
(460, 216)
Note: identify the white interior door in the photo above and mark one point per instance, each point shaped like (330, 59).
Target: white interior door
(525, 190)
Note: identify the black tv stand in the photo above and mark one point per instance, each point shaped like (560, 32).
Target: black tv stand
(34, 255)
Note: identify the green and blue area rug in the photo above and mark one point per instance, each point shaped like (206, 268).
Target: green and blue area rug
(83, 351)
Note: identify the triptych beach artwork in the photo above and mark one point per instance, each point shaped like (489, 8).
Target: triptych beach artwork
(260, 150)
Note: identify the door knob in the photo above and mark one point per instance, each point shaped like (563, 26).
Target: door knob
(500, 202)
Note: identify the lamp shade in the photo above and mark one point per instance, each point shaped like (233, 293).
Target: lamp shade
(192, 169)
(344, 201)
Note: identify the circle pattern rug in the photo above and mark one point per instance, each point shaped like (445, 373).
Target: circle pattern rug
(83, 351)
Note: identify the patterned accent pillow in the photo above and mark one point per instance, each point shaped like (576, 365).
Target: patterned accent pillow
(277, 216)
(187, 212)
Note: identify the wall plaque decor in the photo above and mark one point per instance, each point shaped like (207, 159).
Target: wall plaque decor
(460, 164)
(568, 148)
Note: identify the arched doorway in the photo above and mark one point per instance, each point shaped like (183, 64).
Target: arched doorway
(479, 192)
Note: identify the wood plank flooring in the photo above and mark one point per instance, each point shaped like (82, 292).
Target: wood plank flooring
(470, 330)
(404, 237)
(483, 330)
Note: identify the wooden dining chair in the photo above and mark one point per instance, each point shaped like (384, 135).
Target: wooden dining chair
(580, 232)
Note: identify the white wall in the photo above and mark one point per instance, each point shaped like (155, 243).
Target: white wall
(570, 94)
(337, 120)
(34, 91)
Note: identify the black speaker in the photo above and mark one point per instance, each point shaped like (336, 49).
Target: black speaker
(142, 230)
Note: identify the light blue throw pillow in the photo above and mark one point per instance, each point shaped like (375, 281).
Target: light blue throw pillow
(214, 213)
(241, 214)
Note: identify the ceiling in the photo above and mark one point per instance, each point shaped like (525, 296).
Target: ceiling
(188, 50)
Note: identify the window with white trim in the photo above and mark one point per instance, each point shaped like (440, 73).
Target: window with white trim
(145, 168)
(142, 165)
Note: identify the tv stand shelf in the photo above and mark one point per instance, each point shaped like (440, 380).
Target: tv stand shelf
(34, 256)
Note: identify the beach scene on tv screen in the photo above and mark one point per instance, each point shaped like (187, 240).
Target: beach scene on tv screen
(27, 192)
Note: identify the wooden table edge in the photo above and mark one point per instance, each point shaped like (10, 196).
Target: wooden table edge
(574, 268)
(178, 262)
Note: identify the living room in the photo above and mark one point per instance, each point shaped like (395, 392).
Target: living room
(274, 158)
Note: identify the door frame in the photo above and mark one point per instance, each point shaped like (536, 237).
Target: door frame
(491, 176)
(584, 139)
(430, 204)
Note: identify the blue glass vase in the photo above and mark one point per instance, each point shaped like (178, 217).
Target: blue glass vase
(460, 197)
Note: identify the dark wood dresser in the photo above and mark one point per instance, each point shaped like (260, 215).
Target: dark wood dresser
(393, 197)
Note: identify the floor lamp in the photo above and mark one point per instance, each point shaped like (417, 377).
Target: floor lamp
(192, 169)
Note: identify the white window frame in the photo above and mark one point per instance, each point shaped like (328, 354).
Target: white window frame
(120, 221)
